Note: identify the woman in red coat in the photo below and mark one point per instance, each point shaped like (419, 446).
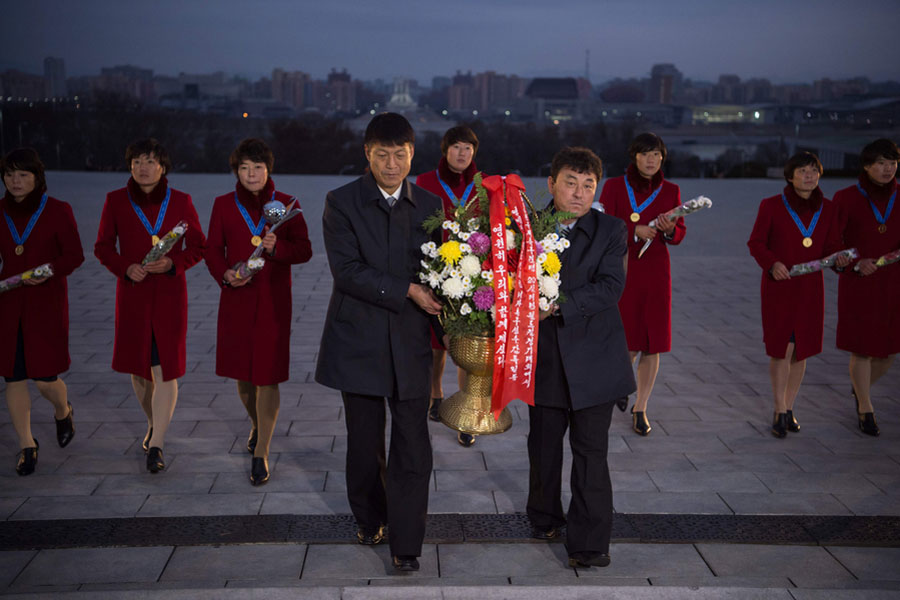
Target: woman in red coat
(638, 197)
(34, 318)
(151, 299)
(453, 182)
(869, 295)
(796, 226)
(253, 339)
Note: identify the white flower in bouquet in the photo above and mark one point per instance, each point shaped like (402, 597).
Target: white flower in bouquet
(549, 287)
(465, 309)
(429, 249)
(446, 224)
(445, 272)
(434, 280)
(424, 264)
(464, 236)
(470, 265)
(494, 313)
(510, 239)
(455, 273)
(540, 258)
(472, 225)
(453, 288)
(454, 227)
(487, 275)
(552, 237)
(543, 304)
(465, 249)
(565, 243)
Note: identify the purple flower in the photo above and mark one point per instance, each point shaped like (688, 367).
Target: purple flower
(538, 249)
(480, 243)
(483, 297)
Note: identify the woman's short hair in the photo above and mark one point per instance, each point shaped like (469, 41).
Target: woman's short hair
(882, 147)
(646, 142)
(25, 159)
(460, 133)
(254, 150)
(801, 159)
(148, 146)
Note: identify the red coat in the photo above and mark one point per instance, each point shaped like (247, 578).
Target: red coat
(43, 310)
(795, 306)
(646, 304)
(254, 331)
(456, 181)
(157, 305)
(869, 307)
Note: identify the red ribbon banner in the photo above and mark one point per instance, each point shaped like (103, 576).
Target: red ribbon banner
(516, 305)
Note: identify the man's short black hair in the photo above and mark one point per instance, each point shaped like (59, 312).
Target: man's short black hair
(460, 133)
(254, 150)
(389, 129)
(148, 146)
(646, 142)
(25, 159)
(801, 159)
(579, 159)
(882, 147)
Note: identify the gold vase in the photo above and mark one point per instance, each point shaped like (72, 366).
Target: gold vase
(469, 410)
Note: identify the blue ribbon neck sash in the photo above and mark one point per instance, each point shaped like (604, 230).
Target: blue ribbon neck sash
(21, 239)
(453, 199)
(154, 230)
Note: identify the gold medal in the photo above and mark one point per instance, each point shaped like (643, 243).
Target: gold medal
(155, 239)
(20, 249)
(807, 242)
(635, 217)
(881, 229)
(256, 240)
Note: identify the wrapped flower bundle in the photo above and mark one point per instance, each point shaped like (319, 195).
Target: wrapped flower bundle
(814, 266)
(11, 283)
(682, 210)
(250, 267)
(890, 257)
(166, 243)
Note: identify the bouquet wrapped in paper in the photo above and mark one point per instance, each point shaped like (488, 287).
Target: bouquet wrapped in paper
(250, 267)
(166, 243)
(890, 257)
(821, 263)
(691, 206)
(11, 283)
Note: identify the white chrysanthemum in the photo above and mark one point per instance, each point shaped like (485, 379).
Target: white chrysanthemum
(453, 288)
(423, 277)
(455, 273)
(494, 312)
(557, 278)
(510, 238)
(464, 236)
(565, 244)
(487, 275)
(445, 272)
(424, 264)
(465, 309)
(454, 227)
(424, 249)
(549, 288)
(543, 304)
(541, 258)
(447, 225)
(465, 248)
(470, 265)
(434, 280)
(552, 237)
(472, 225)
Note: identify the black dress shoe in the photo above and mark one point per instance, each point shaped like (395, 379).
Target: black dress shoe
(27, 459)
(622, 403)
(405, 563)
(792, 425)
(259, 471)
(65, 428)
(155, 461)
(546, 534)
(584, 560)
(640, 424)
(779, 425)
(866, 421)
(434, 411)
(465, 439)
(146, 443)
(251, 441)
(868, 425)
(370, 539)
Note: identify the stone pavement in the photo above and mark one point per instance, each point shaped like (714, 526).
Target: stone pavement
(710, 452)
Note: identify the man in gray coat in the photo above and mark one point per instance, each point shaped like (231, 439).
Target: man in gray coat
(583, 368)
(376, 342)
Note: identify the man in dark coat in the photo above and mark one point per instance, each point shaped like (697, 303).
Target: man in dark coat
(376, 342)
(583, 368)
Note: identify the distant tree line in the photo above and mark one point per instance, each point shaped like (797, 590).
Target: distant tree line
(94, 137)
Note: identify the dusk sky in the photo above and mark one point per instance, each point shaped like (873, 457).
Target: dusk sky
(782, 40)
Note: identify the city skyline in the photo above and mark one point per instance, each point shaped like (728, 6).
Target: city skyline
(705, 39)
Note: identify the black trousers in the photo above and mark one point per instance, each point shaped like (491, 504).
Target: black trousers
(590, 512)
(392, 492)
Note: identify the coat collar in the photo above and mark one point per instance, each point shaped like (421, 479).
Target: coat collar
(586, 223)
(373, 192)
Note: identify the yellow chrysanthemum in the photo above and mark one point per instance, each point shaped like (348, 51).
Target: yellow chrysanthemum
(450, 252)
(552, 264)
(512, 282)
(507, 221)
